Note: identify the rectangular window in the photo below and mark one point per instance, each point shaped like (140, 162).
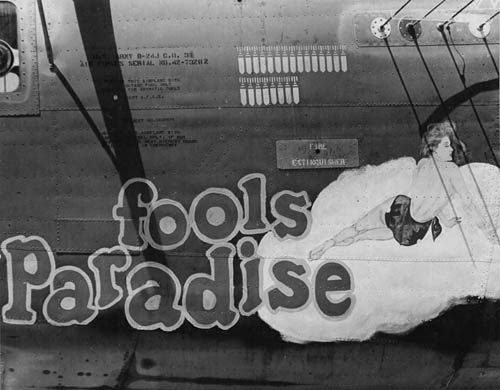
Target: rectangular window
(9, 49)
(18, 59)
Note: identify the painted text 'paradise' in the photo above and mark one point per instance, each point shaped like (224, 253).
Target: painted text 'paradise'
(151, 293)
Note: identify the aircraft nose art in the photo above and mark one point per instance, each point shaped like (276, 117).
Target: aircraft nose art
(249, 194)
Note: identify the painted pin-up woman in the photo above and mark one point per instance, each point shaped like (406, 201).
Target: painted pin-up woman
(407, 219)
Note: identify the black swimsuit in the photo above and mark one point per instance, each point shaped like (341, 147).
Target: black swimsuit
(406, 230)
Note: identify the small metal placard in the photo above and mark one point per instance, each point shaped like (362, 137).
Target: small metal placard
(319, 153)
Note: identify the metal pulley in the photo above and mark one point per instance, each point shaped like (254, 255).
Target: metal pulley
(380, 28)
(480, 30)
(410, 28)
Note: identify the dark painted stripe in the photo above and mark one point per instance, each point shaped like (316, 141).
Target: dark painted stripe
(442, 111)
(96, 28)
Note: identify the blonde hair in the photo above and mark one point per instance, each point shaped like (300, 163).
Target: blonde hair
(434, 135)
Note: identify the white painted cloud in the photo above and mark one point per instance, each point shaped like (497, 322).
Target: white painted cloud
(396, 287)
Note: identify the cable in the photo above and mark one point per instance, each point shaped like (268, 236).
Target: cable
(462, 79)
(485, 135)
(458, 138)
(491, 55)
(458, 99)
(480, 27)
(397, 12)
(55, 69)
(476, 114)
(427, 143)
(462, 74)
(450, 20)
(412, 105)
(428, 13)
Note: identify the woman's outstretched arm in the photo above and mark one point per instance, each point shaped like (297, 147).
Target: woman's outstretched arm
(481, 220)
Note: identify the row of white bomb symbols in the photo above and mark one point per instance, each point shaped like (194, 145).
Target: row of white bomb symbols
(265, 91)
(292, 59)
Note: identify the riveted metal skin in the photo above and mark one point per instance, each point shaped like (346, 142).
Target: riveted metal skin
(161, 84)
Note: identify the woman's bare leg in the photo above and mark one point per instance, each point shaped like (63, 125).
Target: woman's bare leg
(349, 236)
(378, 234)
(370, 227)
